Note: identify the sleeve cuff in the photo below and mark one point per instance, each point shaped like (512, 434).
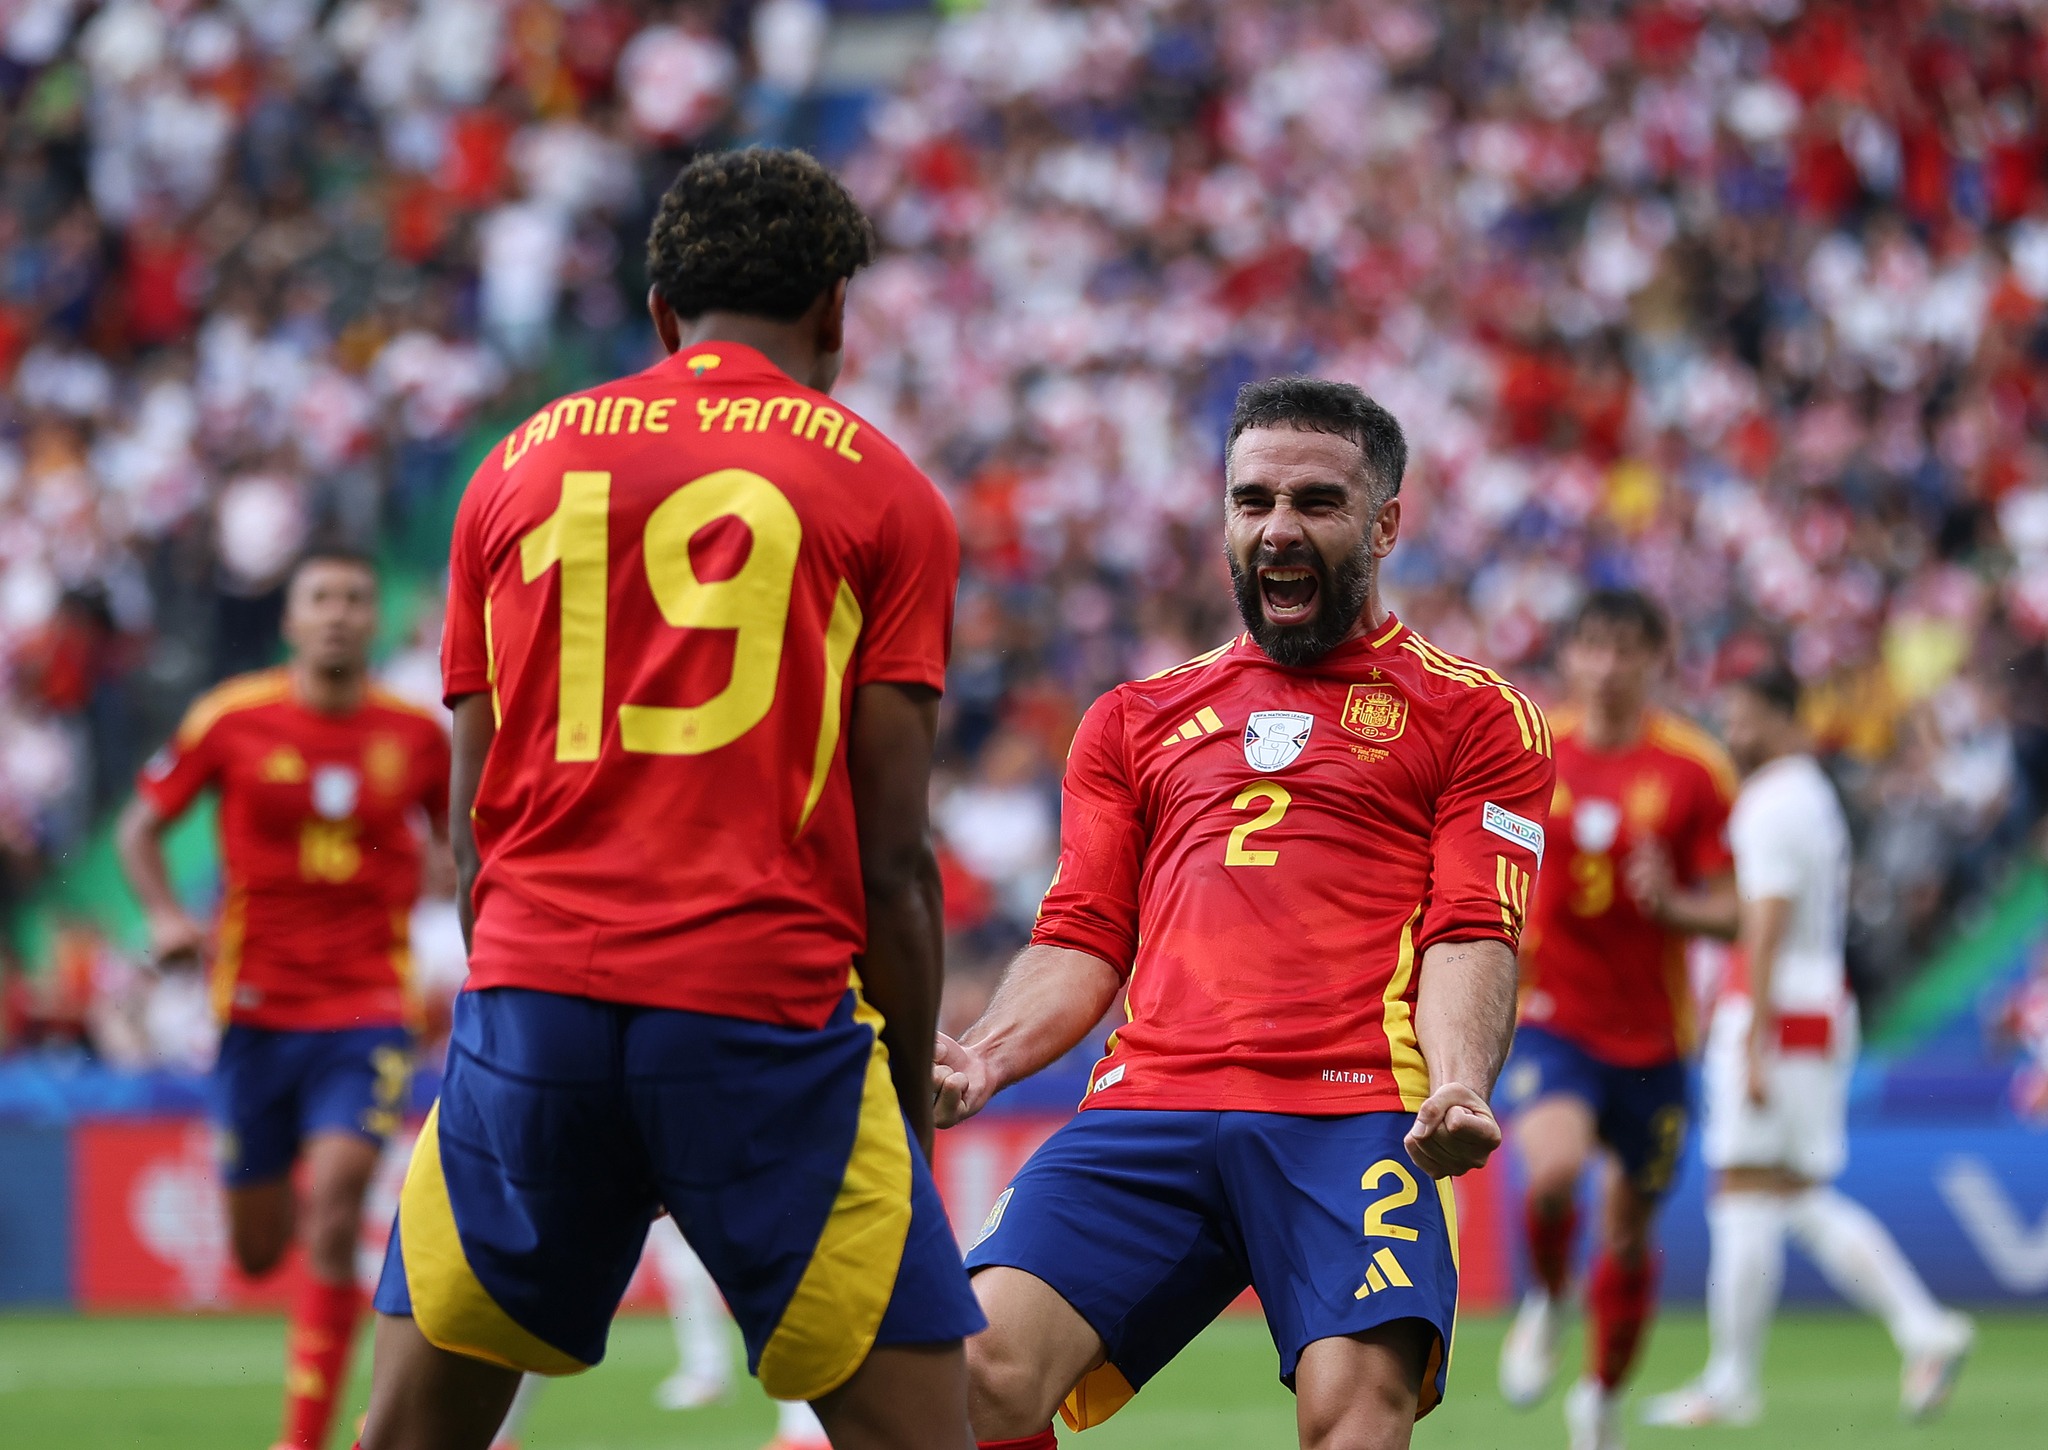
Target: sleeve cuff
(1456, 931)
(458, 683)
(1074, 937)
(902, 672)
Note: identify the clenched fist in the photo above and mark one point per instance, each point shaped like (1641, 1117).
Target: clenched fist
(1454, 1132)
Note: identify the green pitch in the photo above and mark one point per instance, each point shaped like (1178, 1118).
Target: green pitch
(212, 1384)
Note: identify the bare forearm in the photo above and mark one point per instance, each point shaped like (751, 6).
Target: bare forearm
(476, 726)
(1048, 1000)
(1710, 908)
(138, 838)
(903, 975)
(463, 846)
(1465, 1012)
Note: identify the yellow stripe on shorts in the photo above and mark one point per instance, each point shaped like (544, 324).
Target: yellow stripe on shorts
(451, 1307)
(832, 1319)
(1441, 1354)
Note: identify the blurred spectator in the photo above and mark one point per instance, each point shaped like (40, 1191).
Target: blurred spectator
(2022, 1020)
(1744, 303)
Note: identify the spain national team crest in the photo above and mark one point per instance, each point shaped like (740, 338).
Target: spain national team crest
(1274, 739)
(1375, 712)
(385, 762)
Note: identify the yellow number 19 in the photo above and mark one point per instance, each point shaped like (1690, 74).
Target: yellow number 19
(753, 603)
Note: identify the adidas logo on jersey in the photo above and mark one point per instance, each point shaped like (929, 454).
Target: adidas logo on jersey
(1206, 722)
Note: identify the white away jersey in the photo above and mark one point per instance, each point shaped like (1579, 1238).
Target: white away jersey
(1791, 840)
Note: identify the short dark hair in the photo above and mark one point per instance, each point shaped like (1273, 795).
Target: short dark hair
(330, 554)
(1625, 606)
(763, 231)
(1775, 684)
(1317, 405)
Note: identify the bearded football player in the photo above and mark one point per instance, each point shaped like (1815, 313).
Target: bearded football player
(1307, 855)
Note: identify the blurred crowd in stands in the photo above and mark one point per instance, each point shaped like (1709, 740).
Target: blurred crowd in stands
(1742, 301)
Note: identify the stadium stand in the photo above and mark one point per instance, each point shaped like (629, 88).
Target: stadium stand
(1744, 302)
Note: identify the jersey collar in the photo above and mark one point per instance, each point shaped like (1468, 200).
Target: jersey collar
(1346, 657)
(718, 361)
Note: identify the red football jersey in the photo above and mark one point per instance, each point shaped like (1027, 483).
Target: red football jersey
(320, 850)
(1595, 969)
(1267, 852)
(670, 585)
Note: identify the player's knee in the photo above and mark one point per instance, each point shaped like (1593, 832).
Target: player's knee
(1628, 1240)
(1008, 1393)
(1629, 1216)
(1554, 1185)
(1374, 1415)
(1361, 1393)
(333, 1229)
(259, 1246)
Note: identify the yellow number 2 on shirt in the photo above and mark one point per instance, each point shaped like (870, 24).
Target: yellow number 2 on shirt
(753, 603)
(1277, 801)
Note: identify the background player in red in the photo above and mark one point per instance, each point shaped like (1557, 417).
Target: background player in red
(1304, 858)
(1640, 861)
(697, 628)
(325, 783)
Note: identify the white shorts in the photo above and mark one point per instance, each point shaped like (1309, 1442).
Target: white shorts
(1802, 1127)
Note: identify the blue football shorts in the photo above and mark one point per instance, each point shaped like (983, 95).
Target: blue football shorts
(273, 1089)
(564, 1125)
(1642, 1113)
(1149, 1223)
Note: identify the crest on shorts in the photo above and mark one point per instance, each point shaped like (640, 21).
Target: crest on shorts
(1274, 739)
(994, 1220)
(334, 792)
(1375, 712)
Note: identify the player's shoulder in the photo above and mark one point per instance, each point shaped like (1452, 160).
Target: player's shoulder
(1207, 660)
(1794, 786)
(1689, 747)
(1471, 695)
(234, 696)
(1157, 702)
(390, 708)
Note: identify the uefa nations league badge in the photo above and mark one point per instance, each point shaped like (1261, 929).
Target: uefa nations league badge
(1274, 739)
(334, 792)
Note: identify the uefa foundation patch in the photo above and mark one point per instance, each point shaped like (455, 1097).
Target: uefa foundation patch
(1511, 827)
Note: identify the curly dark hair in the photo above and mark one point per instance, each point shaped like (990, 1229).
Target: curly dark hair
(761, 231)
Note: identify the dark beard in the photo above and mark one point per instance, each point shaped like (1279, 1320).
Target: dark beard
(1340, 593)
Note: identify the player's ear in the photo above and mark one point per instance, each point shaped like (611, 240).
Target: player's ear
(1386, 528)
(667, 326)
(831, 337)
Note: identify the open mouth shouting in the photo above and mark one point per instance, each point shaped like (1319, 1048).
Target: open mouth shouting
(1288, 594)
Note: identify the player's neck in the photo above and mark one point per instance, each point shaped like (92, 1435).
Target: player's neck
(784, 344)
(1783, 749)
(1371, 619)
(329, 692)
(1605, 730)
